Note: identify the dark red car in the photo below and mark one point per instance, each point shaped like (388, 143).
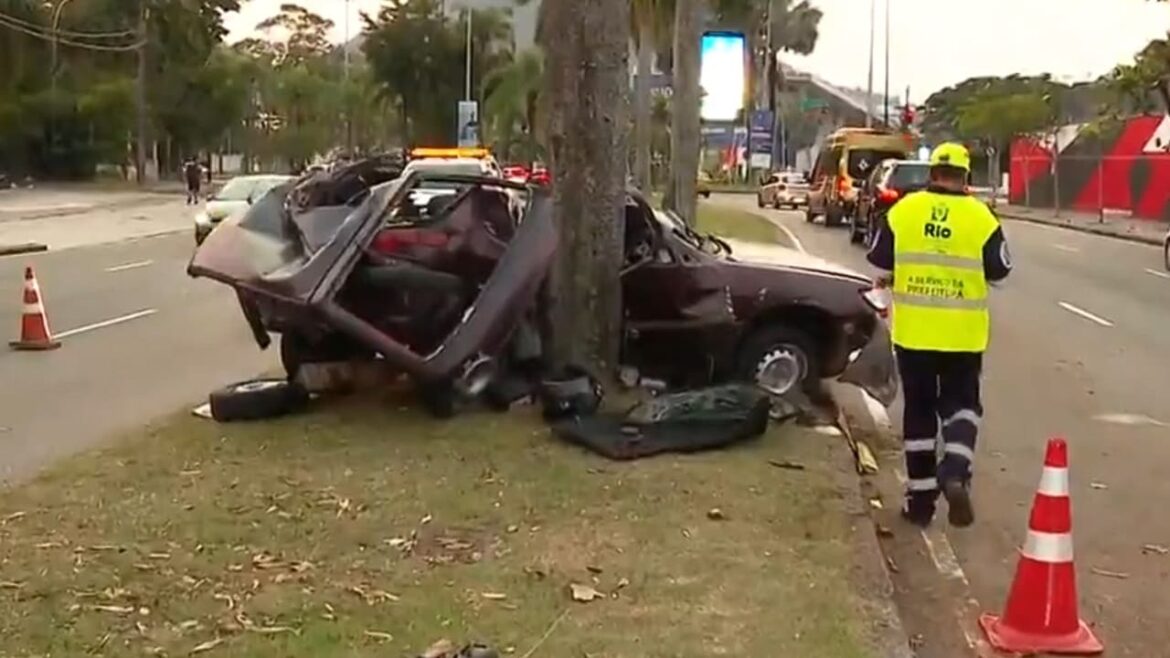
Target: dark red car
(440, 289)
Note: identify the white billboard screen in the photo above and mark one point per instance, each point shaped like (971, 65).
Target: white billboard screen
(722, 75)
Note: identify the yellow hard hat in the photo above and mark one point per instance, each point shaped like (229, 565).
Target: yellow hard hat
(951, 154)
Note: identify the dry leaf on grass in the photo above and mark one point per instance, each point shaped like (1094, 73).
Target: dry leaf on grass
(8, 584)
(379, 635)
(272, 630)
(493, 596)
(439, 649)
(116, 609)
(716, 514)
(584, 593)
(13, 517)
(207, 646)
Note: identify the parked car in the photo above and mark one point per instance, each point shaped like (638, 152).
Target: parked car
(890, 181)
(233, 199)
(847, 158)
(440, 291)
(783, 190)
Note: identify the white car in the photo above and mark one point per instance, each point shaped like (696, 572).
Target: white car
(233, 199)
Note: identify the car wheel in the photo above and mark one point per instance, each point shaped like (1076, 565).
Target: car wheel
(778, 359)
(256, 400)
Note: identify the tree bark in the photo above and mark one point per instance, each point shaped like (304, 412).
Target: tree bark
(586, 45)
(685, 129)
(642, 122)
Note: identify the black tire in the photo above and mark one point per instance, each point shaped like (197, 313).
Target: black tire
(764, 344)
(439, 399)
(256, 400)
(1166, 254)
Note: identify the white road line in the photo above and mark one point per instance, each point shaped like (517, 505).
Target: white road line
(1158, 274)
(791, 236)
(107, 323)
(1065, 247)
(939, 547)
(1085, 314)
(129, 266)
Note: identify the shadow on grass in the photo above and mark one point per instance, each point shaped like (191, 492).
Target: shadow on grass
(367, 528)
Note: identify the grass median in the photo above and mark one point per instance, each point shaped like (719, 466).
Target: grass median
(366, 528)
(736, 224)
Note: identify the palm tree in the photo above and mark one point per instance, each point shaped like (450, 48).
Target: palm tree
(650, 23)
(511, 96)
(684, 134)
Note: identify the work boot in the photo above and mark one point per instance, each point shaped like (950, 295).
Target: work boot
(918, 509)
(959, 509)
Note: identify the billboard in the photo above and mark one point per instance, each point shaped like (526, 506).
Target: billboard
(468, 135)
(722, 75)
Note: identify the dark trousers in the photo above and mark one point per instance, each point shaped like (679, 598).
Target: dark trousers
(941, 391)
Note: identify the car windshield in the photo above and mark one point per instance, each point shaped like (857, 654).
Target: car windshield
(862, 161)
(910, 175)
(242, 189)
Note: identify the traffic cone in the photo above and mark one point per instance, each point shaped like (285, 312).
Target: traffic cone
(34, 324)
(1041, 612)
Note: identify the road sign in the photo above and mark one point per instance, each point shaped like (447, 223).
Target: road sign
(468, 135)
(760, 125)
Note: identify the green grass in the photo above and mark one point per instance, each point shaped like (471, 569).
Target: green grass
(736, 224)
(368, 529)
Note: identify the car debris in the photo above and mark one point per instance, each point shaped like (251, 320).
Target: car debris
(449, 289)
(257, 399)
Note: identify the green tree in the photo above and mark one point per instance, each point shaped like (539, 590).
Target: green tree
(511, 98)
(1138, 84)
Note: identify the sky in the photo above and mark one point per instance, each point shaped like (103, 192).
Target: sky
(934, 43)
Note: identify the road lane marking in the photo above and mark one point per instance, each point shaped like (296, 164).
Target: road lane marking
(1085, 314)
(107, 323)
(1158, 274)
(1065, 247)
(1130, 419)
(129, 266)
(791, 236)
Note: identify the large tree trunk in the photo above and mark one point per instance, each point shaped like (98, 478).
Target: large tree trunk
(586, 45)
(685, 129)
(642, 121)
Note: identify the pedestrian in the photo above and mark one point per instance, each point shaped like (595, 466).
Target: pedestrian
(193, 173)
(942, 246)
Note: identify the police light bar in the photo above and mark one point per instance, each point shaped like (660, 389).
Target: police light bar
(427, 152)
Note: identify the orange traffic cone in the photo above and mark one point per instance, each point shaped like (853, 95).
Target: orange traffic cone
(34, 324)
(1041, 613)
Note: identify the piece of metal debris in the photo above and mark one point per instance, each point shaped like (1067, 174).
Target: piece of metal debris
(1109, 574)
(1155, 548)
(1098, 485)
(584, 593)
(716, 514)
(202, 411)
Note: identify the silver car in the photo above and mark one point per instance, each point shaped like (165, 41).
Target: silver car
(233, 199)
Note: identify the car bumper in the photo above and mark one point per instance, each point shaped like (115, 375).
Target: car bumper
(873, 367)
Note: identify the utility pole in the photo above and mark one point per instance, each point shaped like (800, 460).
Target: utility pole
(869, 83)
(140, 159)
(467, 82)
(886, 93)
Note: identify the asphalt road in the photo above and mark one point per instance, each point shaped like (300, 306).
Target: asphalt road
(1080, 349)
(149, 342)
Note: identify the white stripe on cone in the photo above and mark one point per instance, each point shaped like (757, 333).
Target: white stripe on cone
(1048, 547)
(32, 309)
(1054, 482)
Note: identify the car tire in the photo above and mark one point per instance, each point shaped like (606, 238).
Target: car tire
(256, 400)
(779, 346)
(439, 399)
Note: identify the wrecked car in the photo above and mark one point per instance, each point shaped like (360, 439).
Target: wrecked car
(448, 289)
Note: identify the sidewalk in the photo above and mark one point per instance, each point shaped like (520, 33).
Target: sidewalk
(1146, 231)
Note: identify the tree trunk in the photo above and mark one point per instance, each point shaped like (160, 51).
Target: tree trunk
(685, 129)
(586, 44)
(642, 122)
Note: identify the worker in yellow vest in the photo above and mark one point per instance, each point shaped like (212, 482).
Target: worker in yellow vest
(943, 247)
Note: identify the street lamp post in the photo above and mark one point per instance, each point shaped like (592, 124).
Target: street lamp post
(886, 93)
(467, 72)
(869, 83)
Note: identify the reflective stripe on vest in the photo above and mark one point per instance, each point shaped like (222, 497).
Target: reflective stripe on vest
(939, 291)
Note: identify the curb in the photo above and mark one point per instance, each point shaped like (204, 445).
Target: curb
(25, 248)
(1128, 237)
(889, 632)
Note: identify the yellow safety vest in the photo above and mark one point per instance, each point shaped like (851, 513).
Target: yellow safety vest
(940, 293)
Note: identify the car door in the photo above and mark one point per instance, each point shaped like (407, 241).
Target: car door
(677, 310)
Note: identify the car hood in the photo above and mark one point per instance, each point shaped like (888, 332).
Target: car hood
(767, 255)
(218, 209)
